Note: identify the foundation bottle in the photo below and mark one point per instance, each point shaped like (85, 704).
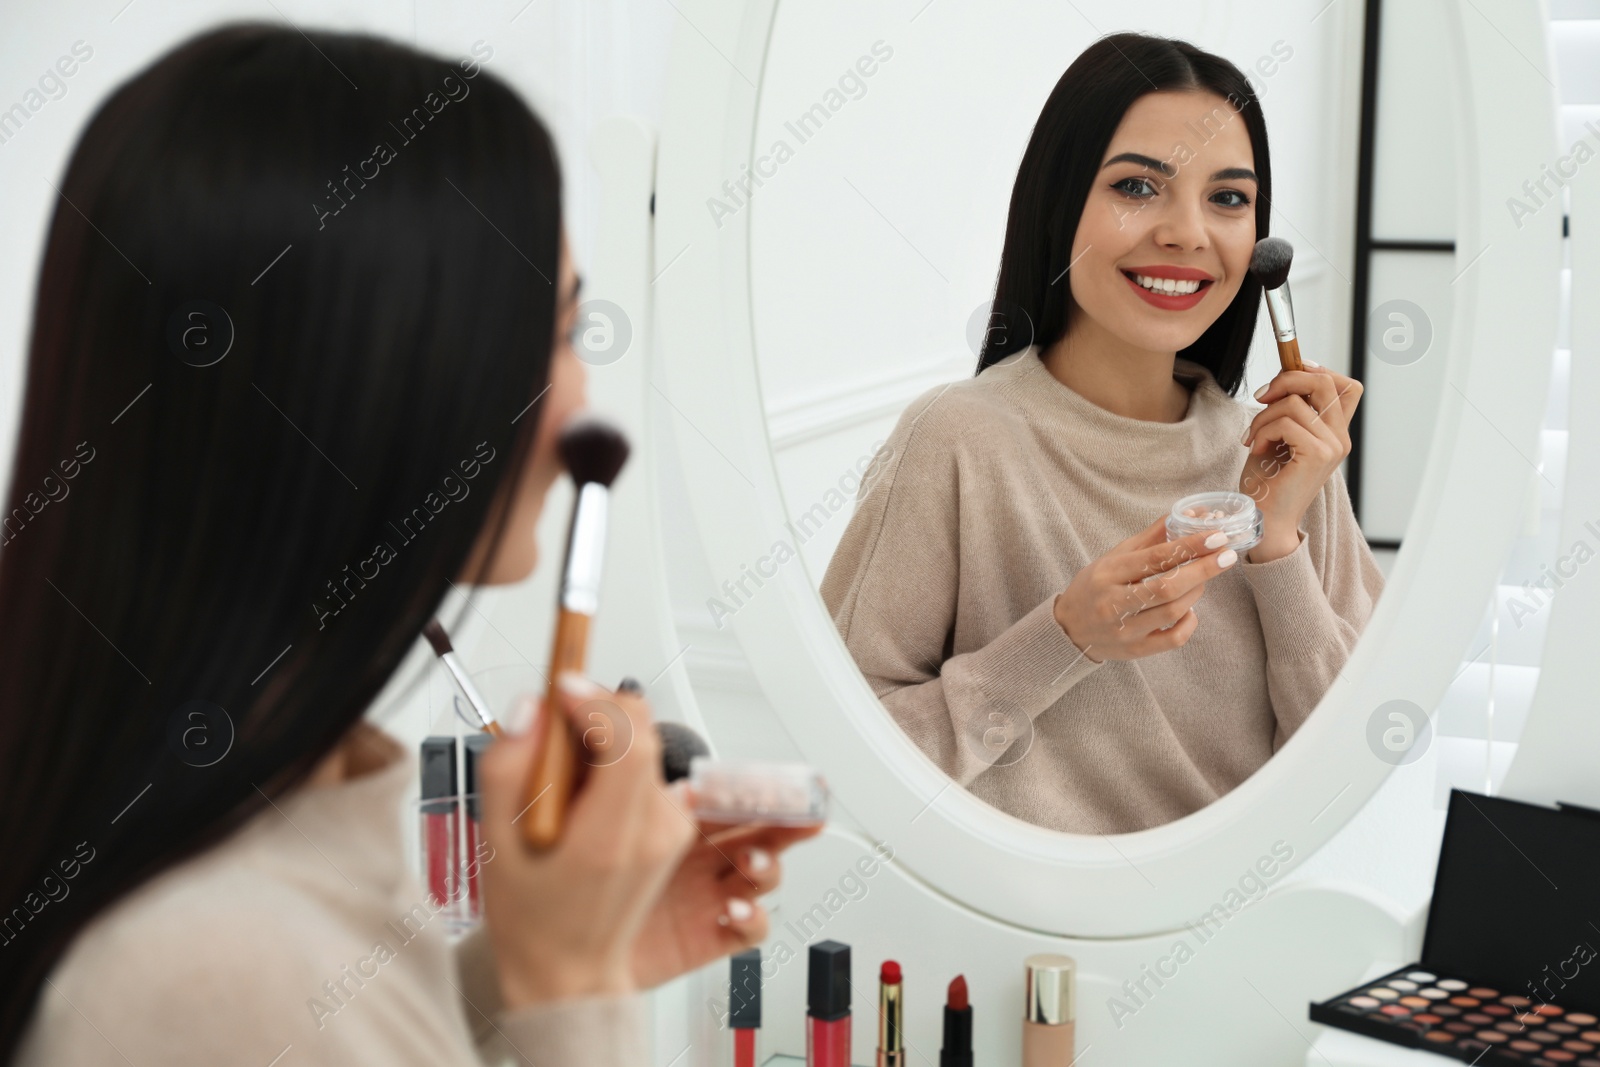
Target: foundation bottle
(1047, 1021)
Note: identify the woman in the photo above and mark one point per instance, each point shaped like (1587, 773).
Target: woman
(259, 444)
(1006, 585)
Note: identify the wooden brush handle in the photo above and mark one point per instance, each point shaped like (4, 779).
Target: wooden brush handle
(1289, 354)
(555, 765)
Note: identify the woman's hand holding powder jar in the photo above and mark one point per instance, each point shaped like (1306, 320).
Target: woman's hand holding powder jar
(1137, 599)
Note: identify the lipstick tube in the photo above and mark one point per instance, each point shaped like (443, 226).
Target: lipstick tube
(828, 1005)
(1051, 1011)
(957, 1049)
(891, 1017)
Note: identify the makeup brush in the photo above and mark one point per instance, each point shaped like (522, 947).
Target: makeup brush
(593, 452)
(447, 655)
(679, 747)
(1270, 264)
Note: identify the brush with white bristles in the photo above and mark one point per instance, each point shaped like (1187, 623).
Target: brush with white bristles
(1270, 264)
(594, 452)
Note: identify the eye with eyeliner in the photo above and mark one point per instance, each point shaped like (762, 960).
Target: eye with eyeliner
(1118, 186)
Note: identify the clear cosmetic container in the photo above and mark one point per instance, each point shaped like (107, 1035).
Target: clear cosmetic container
(738, 792)
(1235, 514)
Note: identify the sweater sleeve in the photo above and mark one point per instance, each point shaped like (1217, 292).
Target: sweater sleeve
(585, 1032)
(1313, 603)
(891, 587)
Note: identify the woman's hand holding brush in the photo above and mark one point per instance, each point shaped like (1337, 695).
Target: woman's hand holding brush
(635, 892)
(625, 835)
(1296, 443)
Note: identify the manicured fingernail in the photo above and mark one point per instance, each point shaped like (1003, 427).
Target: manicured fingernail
(740, 910)
(1225, 559)
(1263, 390)
(576, 685)
(760, 859)
(1311, 363)
(1217, 540)
(1244, 439)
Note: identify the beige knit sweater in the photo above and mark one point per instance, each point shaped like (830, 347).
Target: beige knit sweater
(222, 959)
(995, 492)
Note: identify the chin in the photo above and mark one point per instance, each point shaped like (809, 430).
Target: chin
(1164, 340)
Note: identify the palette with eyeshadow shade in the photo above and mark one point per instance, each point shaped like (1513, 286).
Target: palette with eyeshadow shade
(1420, 1008)
(1497, 911)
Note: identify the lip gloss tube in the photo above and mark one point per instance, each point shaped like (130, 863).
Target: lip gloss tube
(1051, 1011)
(476, 745)
(440, 842)
(744, 1005)
(828, 1005)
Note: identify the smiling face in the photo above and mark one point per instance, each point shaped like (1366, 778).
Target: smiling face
(1172, 205)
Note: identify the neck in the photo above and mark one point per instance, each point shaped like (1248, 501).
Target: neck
(1135, 383)
(358, 753)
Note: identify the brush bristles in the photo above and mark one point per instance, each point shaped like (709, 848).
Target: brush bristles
(679, 746)
(1270, 261)
(437, 637)
(593, 450)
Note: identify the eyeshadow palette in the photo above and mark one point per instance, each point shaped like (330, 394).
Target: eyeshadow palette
(1468, 1021)
(1508, 973)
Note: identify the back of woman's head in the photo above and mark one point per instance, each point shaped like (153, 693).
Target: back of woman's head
(296, 301)
(1063, 157)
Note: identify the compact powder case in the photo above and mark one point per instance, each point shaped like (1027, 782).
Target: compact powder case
(1510, 968)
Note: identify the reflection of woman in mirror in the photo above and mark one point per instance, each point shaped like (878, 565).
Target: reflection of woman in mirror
(1006, 584)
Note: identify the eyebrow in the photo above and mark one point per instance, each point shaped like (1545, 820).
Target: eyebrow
(577, 287)
(1223, 175)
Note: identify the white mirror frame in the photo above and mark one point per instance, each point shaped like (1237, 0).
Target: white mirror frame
(1501, 340)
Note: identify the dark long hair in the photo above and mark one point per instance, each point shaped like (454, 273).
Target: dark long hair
(1059, 166)
(294, 313)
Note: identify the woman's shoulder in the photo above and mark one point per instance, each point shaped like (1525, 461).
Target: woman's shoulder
(204, 920)
(214, 938)
(957, 412)
(1218, 403)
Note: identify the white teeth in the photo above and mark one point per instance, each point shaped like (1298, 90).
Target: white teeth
(1168, 285)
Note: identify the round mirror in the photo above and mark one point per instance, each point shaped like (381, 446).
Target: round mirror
(833, 196)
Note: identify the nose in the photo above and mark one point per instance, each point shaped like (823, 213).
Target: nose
(1181, 225)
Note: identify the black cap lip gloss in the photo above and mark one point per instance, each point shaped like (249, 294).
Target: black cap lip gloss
(744, 1005)
(440, 840)
(475, 746)
(828, 1005)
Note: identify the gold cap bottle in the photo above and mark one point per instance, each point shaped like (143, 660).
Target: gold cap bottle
(1051, 1010)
